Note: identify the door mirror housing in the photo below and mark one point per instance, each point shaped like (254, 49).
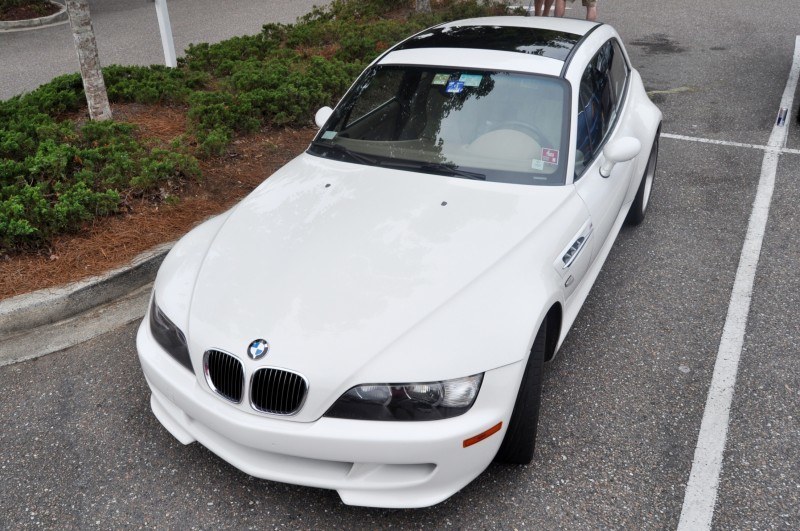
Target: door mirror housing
(322, 116)
(619, 150)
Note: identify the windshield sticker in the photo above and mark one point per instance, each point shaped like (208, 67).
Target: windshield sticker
(328, 135)
(440, 79)
(550, 156)
(471, 80)
(537, 164)
(455, 87)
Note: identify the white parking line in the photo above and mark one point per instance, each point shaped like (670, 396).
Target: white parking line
(780, 150)
(701, 490)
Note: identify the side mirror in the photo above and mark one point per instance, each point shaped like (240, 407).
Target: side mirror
(322, 116)
(619, 150)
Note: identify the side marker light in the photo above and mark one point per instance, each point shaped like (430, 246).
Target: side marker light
(484, 435)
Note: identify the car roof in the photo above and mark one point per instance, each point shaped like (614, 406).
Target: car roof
(527, 44)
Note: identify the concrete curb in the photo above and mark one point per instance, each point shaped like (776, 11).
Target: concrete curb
(35, 23)
(44, 340)
(47, 306)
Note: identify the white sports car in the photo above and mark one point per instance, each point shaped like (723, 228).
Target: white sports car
(375, 316)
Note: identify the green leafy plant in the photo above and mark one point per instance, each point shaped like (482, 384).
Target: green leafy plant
(56, 176)
(153, 84)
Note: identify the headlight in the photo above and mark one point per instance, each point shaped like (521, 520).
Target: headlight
(169, 336)
(413, 401)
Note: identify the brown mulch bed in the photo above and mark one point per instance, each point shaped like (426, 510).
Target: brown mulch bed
(111, 242)
(33, 9)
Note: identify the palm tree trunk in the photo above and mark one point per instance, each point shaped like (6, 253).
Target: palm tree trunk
(86, 47)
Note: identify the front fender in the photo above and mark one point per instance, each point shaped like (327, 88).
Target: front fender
(644, 119)
(174, 284)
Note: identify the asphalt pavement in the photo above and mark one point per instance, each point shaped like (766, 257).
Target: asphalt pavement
(760, 485)
(623, 401)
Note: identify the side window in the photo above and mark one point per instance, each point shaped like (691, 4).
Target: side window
(604, 88)
(587, 118)
(619, 71)
(601, 90)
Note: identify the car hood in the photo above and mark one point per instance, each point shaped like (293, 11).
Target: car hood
(332, 262)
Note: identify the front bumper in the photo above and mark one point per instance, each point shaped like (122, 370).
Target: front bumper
(369, 463)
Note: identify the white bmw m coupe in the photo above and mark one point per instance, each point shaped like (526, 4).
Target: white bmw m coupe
(374, 317)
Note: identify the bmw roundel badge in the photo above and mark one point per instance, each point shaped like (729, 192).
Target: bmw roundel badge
(258, 349)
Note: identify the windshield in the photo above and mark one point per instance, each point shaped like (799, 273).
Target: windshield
(476, 124)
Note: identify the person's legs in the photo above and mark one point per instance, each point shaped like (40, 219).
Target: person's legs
(537, 8)
(561, 6)
(591, 10)
(548, 5)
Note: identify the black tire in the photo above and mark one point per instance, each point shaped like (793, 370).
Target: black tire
(642, 200)
(520, 439)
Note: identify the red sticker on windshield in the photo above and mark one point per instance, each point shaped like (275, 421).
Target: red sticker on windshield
(550, 155)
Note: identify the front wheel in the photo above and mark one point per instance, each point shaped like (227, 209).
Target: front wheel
(520, 439)
(639, 206)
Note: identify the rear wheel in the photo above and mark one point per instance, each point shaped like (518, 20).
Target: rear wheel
(639, 206)
(520, 438)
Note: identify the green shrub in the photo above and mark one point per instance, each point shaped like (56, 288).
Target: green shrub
(153, 84)
(22, 208)
(289, 91)
(107, 133)
(77, 203)
(221, 57)
(162, 166)
(76, 173)
(14, 144)
(256, 74)
(12, 172)
(214, 143)
(63, 94)
(214, 109)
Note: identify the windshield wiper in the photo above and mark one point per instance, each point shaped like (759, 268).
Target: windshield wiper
(450, 170)
(354, 155)
(433, 167)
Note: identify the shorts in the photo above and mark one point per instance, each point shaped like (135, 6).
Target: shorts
(587, 3)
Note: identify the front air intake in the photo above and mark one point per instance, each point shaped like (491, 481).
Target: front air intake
(277, 391)
(224, 374)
